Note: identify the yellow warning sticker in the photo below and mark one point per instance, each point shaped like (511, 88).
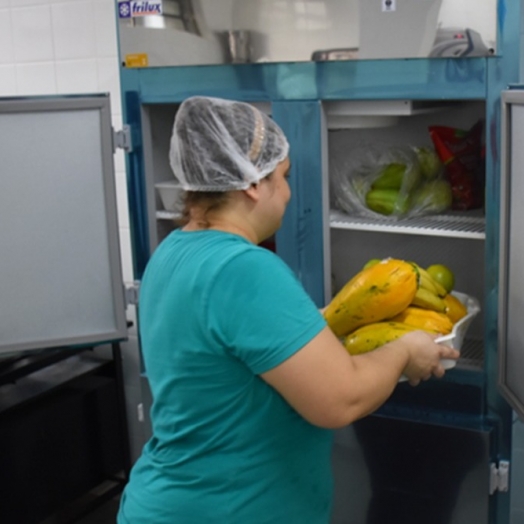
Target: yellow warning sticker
(136, 60)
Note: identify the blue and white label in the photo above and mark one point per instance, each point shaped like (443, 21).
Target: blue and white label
(139, 8)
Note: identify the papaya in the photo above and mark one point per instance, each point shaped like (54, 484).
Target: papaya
(455, 309)
(371, 262)
(376, 293)
(372, 336)
(425, 319)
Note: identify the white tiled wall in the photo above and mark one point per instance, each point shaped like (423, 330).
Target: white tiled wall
(66, 47)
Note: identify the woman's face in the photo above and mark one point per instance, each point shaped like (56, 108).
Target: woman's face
(276, 194)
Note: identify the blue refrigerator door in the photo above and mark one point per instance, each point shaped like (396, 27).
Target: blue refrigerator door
(61, 282)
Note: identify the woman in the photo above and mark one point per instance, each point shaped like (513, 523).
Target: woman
(247, 380)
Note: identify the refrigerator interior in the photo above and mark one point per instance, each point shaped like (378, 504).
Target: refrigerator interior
(366, 455)
(454, 238)
(157, 124)
(397, 463)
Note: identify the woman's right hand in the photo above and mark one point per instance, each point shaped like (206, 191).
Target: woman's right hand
(424, 356)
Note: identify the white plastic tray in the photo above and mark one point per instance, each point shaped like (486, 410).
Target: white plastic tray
(456, 338)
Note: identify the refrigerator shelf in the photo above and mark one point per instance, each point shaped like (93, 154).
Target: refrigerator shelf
(167, 215)
(471, 355)
(449, 225)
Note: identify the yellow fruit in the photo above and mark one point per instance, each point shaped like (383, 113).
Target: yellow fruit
(426, 281)
(443, 275)
(371, 262)
(372, 336)
(455, 309)
(425, 299)
(374, 294)
(425, 319)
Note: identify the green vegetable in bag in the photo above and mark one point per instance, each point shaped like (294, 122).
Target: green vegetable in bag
(430, 163)
(387, 201)
(433, 197)
(412, 177)
(390, 177)
(397, 175)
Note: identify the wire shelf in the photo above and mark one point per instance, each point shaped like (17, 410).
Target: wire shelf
(449, 225)
(167, 215)
(471, 355)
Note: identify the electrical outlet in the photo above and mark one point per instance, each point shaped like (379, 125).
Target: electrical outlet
(389, 5)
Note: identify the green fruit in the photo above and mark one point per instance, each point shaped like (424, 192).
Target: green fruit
(430, 163)
(433, 197)
(443, 275)
(382, 200)
(412, 178)
(390, 177)
(387, 201)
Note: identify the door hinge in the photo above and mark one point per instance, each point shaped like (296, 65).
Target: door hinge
(499, 477)
(122, 139)
(131, 293)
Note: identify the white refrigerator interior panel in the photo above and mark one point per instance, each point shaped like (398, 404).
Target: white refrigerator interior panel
(515, 304)
(61, 281)
(511, 262)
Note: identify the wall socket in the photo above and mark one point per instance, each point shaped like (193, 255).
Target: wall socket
(389, 5)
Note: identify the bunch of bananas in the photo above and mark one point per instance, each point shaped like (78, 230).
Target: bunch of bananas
(430, 293)
(387, 299)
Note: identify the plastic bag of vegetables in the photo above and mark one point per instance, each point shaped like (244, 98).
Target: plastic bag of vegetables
(375, 180)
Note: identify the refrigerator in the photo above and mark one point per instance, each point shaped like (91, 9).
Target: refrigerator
(440, 452)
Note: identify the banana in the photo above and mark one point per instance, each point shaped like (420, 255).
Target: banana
(426, 299)
(426, 281)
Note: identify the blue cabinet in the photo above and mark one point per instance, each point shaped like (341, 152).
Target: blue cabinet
(321, 246)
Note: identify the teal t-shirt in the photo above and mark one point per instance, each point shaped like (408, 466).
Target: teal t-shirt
(215, 311)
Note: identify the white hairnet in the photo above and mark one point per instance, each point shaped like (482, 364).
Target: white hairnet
(221, 145)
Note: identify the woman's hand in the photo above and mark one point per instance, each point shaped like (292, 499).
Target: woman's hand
(424, 356)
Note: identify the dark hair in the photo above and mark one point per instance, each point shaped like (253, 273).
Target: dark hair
(206, 200)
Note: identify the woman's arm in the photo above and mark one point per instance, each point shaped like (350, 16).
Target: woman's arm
(331, 388)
